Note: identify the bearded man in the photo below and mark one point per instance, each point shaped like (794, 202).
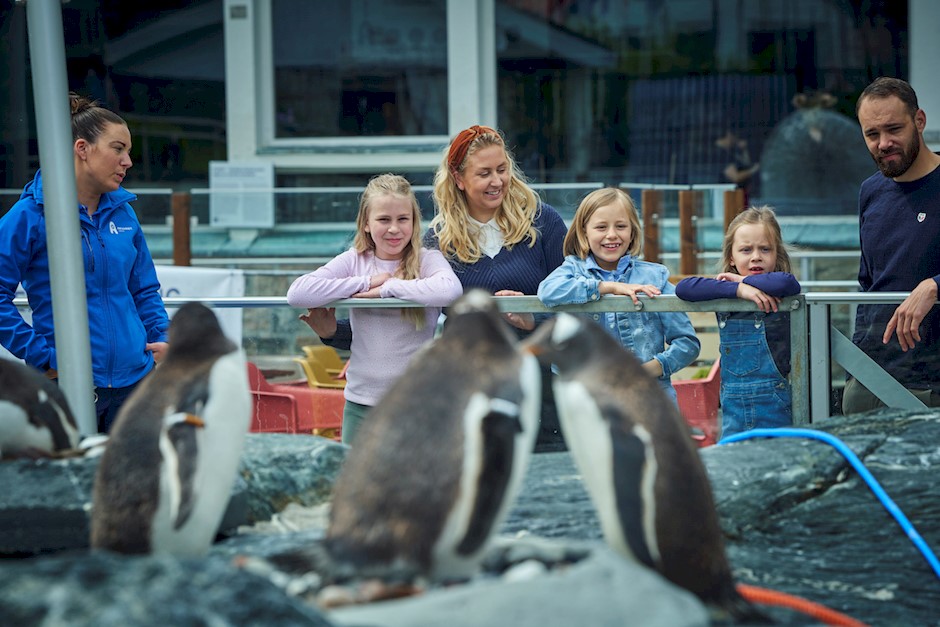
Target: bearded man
(899, 233)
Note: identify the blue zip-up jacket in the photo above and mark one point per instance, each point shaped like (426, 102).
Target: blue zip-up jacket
(645, 333)
(125, 310)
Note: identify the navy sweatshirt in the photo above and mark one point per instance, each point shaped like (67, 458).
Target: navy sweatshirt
(899, 234)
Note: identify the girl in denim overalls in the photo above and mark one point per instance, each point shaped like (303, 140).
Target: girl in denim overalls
(601, 250)
(755, 346)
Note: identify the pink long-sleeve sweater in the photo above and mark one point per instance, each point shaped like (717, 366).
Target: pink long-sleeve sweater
(383, 342)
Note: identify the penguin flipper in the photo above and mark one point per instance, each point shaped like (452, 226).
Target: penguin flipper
(634, 472)
(181, 457)
(499, 428)
(51, 408)
(194, 396)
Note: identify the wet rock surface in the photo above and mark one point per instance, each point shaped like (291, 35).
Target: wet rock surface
(797, 519)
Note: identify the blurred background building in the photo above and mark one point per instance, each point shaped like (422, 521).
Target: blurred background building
(329, 93)
(672, 93)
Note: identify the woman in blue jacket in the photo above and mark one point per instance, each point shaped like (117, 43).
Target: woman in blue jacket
(601, 251)
(126, 316)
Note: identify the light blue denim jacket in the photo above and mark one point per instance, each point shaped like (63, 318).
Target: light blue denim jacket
(645, 333)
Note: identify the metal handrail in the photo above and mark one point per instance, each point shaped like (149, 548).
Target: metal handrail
(815, 344)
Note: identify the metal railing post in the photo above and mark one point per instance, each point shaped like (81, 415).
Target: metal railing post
(799, 362)
(820, 361)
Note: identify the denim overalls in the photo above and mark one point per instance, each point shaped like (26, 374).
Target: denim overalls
(753, 392)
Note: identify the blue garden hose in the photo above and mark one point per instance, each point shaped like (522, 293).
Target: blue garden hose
(859, 467)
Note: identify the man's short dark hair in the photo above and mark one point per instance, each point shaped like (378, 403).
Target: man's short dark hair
(885, 86)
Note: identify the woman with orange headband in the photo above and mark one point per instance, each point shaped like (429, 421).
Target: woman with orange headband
(492, 227)
(494, 230)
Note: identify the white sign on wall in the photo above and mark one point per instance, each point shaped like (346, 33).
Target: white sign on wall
(241, 194)
(189, 282)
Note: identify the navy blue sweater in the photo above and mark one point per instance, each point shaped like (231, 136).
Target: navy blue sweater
(899, 234)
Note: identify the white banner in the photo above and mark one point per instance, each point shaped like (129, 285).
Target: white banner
(190, 282)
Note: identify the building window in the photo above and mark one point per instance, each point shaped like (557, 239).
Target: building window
(361, 68)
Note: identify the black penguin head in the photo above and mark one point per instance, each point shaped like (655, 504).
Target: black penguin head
(475, 300)
(474, 317)
(195, 331)
(568, 342)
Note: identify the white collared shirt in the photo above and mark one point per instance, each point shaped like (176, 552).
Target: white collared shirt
(491, 238)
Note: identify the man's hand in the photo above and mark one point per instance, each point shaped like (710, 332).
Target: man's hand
(909, 314)
(322, 320)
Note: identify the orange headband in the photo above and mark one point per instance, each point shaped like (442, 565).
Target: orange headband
(461, 144)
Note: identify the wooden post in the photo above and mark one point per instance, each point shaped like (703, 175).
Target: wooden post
(734, 204)
(652, 201)
(182, 250)
(688, 255)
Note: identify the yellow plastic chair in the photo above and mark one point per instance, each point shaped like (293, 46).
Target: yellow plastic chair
(317, 375)
(327, 356)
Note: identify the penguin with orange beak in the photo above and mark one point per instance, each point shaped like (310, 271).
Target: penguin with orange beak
(168, 468)
(640, 467)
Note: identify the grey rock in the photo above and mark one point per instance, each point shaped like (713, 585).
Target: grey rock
(279, 469)
(800, 520)
(107, 590)
(602, 590)
(797, 519)
(46, 504)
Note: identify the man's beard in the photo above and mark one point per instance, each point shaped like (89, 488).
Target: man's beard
(908, 156)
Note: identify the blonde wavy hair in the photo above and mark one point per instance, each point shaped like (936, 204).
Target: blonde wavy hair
(766, 217)
(576, 241)
(410, 265)
(515, 217)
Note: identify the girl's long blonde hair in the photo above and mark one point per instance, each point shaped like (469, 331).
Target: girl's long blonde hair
(515, 216)
(576, 241)
(766, 217)
(410, 265)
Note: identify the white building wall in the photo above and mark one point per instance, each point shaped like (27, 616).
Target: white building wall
(923, 26)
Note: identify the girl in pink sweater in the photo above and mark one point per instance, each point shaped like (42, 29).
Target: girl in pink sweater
(386, 261)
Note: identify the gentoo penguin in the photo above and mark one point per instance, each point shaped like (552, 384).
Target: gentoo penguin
(641, 469)
(441, 457)
(35, 419)
(167, 471)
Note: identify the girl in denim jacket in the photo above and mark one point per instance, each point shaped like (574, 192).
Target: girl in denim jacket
(755, 346)
(601, 250)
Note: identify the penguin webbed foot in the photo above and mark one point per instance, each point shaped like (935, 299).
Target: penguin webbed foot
(319, 577)
(335, 568)
(29, 452)
(367, 591)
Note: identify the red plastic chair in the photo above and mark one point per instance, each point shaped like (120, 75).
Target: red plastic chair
(294, 407)
(698, 403)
